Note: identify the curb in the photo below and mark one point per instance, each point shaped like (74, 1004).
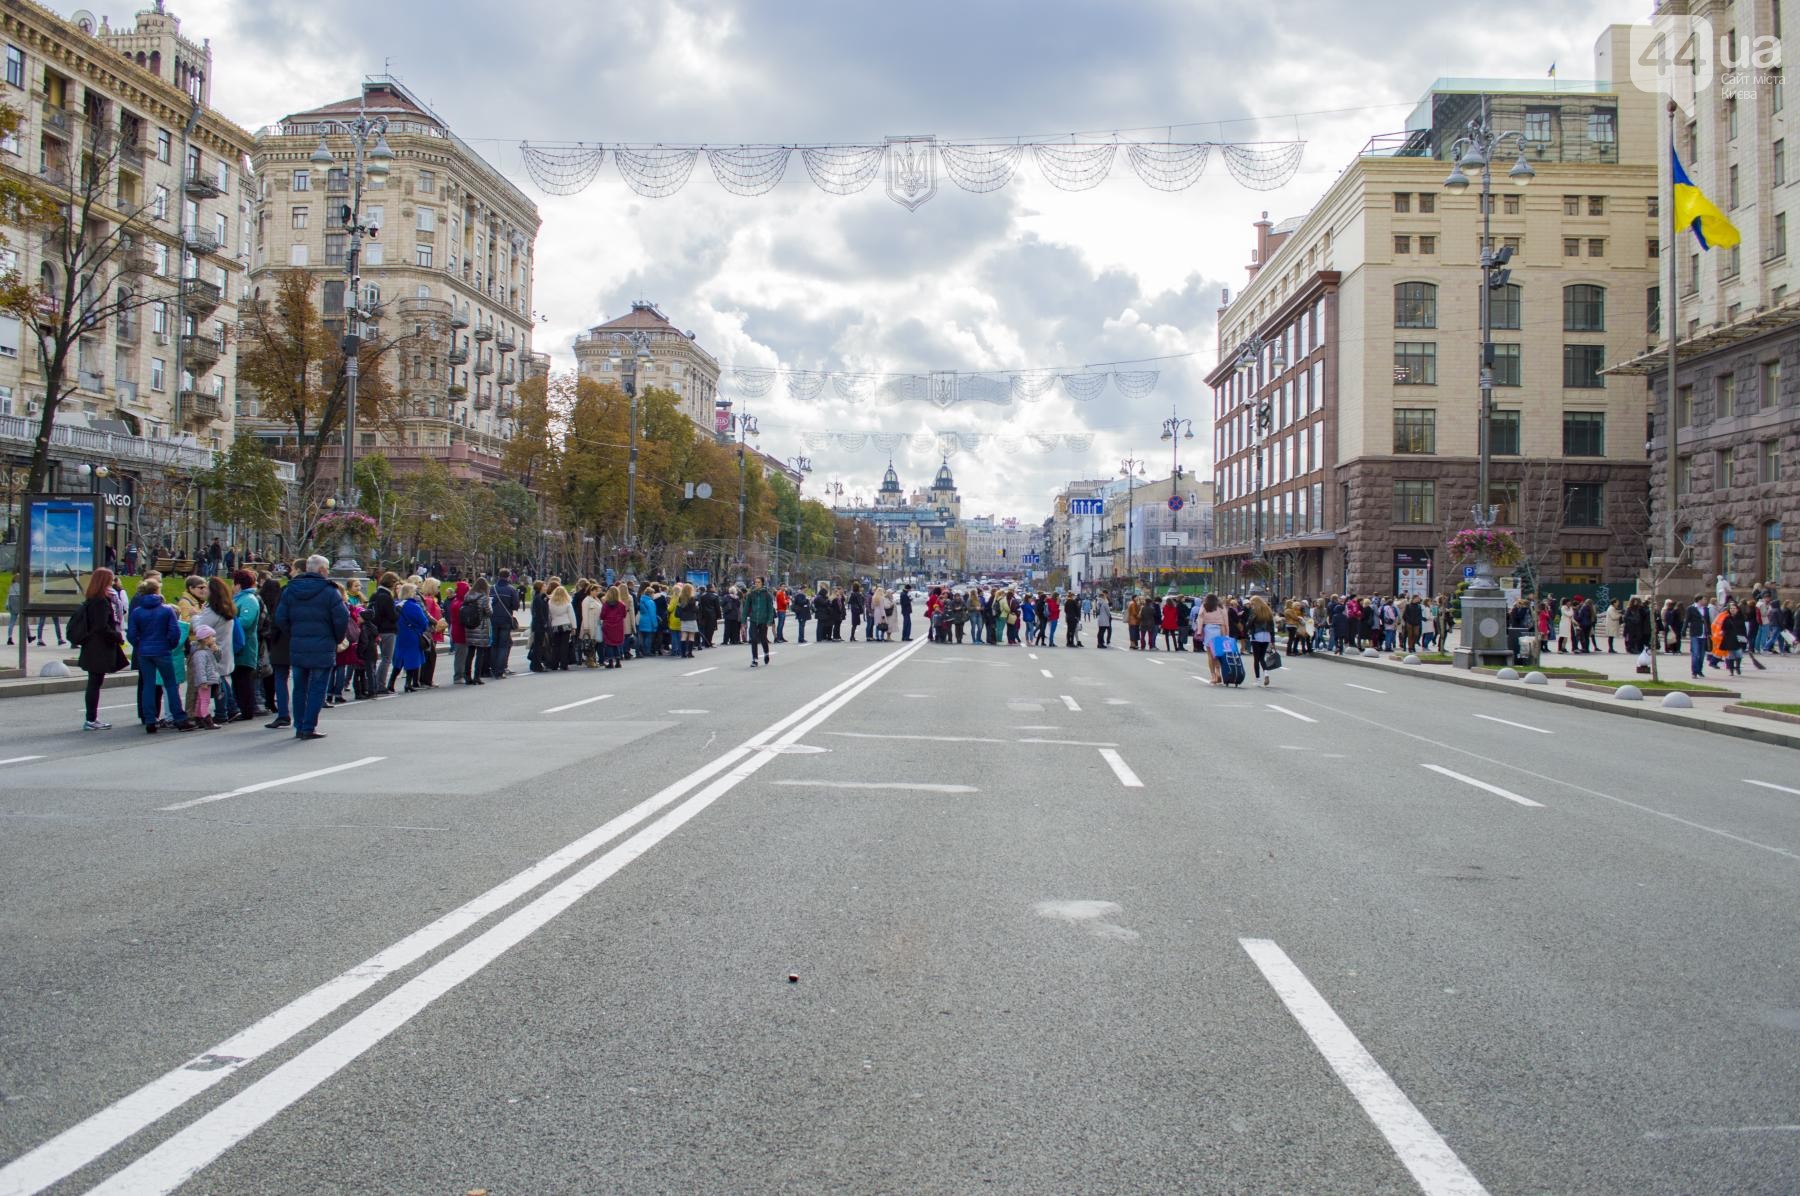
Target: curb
(1545, 694)
(1773, 715)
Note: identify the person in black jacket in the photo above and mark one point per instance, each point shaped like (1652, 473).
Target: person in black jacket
(731, 608)
(502, 617)
(710, 611)
(802, 610)
(275, 685)
(384, 616)
(96, 632)
(540, 628)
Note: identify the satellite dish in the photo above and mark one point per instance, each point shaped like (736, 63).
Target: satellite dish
(84, 21)
(704, 490)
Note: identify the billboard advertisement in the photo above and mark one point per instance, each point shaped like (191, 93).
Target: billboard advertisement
(62, 550)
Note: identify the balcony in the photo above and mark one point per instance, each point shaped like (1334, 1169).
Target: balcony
(55, 174)
(128, 394)
(202, 407)
(484, 367)
(506, 342)
(201, 352)
(459, 357)
(125, 330)
(91, 380)
(507, 377)
(199, 186)
(459, 318)
(458, 392)
(199, 240)
(203, 298)
(136, 259)
(56, 119)
(484, 332)
(132, 155)
(483, 402)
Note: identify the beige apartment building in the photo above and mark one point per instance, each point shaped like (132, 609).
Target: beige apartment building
(1737, 404)
(152, 386)
(676, 363)
(1367, 309)
(451, 267)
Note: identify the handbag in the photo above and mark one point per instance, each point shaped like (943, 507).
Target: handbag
(1271, 660)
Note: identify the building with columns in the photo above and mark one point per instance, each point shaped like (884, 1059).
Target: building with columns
(677, 363)
(917, 535)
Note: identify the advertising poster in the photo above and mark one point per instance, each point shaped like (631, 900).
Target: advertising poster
(62, 550)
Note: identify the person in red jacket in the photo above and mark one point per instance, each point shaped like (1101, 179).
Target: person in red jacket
(615, 612)
(1171, 621)
(459, 636)
(781, 613)
(349, 657)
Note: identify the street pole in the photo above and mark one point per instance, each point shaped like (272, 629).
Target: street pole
(746, 426)
(1175, 430)
(1672, 332)
(640, 357)
(1133, 469)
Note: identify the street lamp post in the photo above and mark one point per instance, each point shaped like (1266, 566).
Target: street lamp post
(640, 358)
(1133, 469)
(1484, 607)
(801, 466)
(744, 426)
(1175, 429)
(368, 162)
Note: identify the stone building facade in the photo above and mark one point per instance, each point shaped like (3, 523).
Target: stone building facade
(1367, 310)
(677, 363)
(451, 267)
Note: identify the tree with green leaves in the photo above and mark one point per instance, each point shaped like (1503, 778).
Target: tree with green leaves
(242, 491)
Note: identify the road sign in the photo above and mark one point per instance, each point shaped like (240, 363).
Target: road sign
(1174, 539)
(1468, 573)
(1176, 502)
(1031, 558)
(1087, 506)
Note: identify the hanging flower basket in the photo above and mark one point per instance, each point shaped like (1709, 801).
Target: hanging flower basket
(353, 526)
(1495, 545)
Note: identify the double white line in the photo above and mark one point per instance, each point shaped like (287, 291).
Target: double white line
(178, 1158)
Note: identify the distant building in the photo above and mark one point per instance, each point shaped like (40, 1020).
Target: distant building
(677, 362)
(1367, 309)
(917, 535)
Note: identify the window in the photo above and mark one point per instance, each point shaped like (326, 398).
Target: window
(337, 179)
(1651, 207)
(1584, 308)
(333, 297)
(1727, 396)
(1427, 202)
(1507, 365)
(297, 255)
(1402, 243)
(1684, 407)
(158, 373)
(1727, 552)
(1584, 434)
(1537, 124)
(1415, 363)
(1653, 249)
(427, 219)
(1731, 121)
(1724, 468)
(1596, 205)
(1503, 433)
(1415, 305)
(1771, 384)
(302, 180)
(1731, 187)
(1584, 504)
(15, 66)
(1505, 497)
(1603, 128)
(374, 216)
(1778, 160)
(374, 254)
(1571, 205)
(9, 336)
(1509, 205)
(1402, 201)
(297, 217)
(1582, 365)
(1504, 306)
(1427, 244)
(159, 202)
(1596, 246)
(336, 246)
(427, 182)
(1583, 567)
(423, 253)
(1771, 551)
(1684, 475)
(162, 261)
(1571, 246)
(1777, 89)
(159, 318)
(1415, 501)
(1768, 461)
(1653, 310)
(1415, 430)
(165, 146)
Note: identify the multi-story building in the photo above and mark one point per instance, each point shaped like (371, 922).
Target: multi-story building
(128, 109)
(677, 363)
(1367, 313)
(1737, 402)
(997, 546)
(450, 267)
(918, 535)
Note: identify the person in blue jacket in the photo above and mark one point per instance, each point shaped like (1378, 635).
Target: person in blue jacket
(155, 632)
(410, 640)
(647, 621)
(315, 620)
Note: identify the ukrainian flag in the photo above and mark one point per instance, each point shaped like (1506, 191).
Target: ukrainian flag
(1693, 210)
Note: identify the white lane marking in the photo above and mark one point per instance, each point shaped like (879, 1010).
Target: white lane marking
(916, 787)
(1747, 781)
(1033, 655)
(1153, 660)
(19, 759)
(1047, 673)
(927, 738)
(1783, 852)
(1121, 769)
(1038, 727)
(1290, 713)
(261, 785)
(1434, 1166)
(572, 705)
(709, 668)
(1706, 1130)
(1070, 703)
(687, 711)
(120, 706)
(181, 1156)
(1369, 689)
(1521, 726)
(1494, 789)
(1070, 743)
(86, 1141)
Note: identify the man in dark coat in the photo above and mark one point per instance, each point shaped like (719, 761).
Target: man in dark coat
(313, 618)
(502, 618)
(710, 612)
(540, 628)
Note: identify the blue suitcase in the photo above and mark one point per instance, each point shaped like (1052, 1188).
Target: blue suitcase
(1231, 666)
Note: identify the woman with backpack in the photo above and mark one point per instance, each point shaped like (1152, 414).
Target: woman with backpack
(478, 630)
(95, 629)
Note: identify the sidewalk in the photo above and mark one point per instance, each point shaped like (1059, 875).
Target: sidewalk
(1779, 682)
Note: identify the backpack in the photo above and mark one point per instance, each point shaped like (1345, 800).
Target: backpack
(469, 614)
(79, 629)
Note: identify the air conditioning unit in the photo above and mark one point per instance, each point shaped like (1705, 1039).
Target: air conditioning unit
(162, 338)
(32, 408)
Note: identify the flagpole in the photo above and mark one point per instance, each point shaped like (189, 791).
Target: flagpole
(1673, 331)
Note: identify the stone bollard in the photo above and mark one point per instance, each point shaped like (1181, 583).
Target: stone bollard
(1677, 702)
(1508, 674)
(1628, 693)
(1412, 658)
(1536, 678)
(55, 668)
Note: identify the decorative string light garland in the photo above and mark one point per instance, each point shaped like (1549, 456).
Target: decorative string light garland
(946, 388)
(947, 444)
(911, 166)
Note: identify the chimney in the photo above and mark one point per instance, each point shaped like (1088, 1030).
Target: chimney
(1224, 301)
(1260, 254)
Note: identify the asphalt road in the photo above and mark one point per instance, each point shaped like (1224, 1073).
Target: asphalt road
(1057, 921)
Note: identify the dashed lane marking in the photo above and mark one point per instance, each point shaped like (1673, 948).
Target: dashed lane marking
(1508, 794)
(1121, 769)
(1071, 703)
(1521, 726)
(278, 782)
(572, 705)
(1291, 713)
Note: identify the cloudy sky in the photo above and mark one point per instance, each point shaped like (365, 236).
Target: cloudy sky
(1027, 276)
